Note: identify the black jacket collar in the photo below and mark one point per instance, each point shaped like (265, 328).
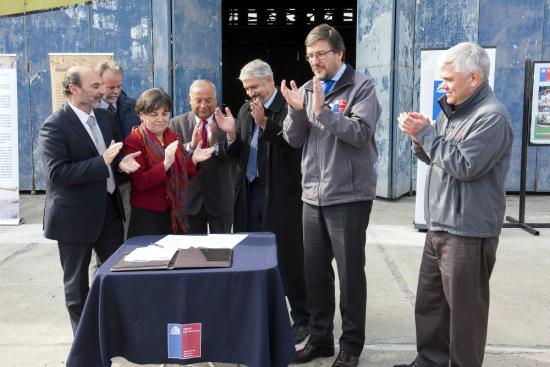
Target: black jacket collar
(278, 102)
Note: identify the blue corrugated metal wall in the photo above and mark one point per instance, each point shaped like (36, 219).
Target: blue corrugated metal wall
(394, 61)
(374, 57)
(137, 32)
(169, 43)
(197, 46)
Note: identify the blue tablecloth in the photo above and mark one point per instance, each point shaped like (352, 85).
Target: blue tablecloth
(242, 310)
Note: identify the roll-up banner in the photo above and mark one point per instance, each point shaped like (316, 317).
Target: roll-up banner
(59, 63)
(9, 145)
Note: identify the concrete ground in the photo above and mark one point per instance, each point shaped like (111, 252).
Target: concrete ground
(35, 330)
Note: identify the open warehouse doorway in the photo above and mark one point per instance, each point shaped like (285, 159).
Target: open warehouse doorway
(275, 33)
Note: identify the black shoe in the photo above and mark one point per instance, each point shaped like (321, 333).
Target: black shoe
(407, 365)
(345, 359)
(299, 333)
(310, 352)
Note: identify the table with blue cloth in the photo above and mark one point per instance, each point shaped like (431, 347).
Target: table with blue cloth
(242, 310)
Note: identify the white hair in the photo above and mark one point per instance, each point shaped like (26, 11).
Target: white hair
(467, 57)
(255, 69)
(201, 82)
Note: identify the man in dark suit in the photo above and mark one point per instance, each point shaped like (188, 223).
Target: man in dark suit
(267, 180)
(123, 109)
(115, 100)
(83, 209)
(210, 197)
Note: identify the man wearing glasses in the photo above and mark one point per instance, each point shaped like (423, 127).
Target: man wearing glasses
(333, 117)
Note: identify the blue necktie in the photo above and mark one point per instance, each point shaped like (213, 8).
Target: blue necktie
(327, 85)
(251, 166)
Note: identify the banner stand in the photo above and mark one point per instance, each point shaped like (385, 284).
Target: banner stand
(527, 105)
(9, 142)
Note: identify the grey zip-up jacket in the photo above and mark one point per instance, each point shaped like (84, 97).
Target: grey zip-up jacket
(339, 152)
(468, 150)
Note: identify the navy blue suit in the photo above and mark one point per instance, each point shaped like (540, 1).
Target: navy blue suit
(126, 114)
(79, 212)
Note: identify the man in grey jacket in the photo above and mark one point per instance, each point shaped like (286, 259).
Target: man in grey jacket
(333, 117)
(468, 152)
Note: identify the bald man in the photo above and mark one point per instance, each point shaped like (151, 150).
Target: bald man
(210, 201)
(83, 209)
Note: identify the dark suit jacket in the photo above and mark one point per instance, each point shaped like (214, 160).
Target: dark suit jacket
(212, 186)
(126, 114)
(76, 176)
(280, 179)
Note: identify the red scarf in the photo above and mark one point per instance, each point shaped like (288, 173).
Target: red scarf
(176, 185)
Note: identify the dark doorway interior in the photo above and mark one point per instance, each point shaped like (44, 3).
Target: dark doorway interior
(275, 33)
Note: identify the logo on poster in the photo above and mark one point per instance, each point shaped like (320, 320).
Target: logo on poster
(438, 93)
(175, 330)
(544, 75)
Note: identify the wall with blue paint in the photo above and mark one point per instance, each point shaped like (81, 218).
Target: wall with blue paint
(197, 47)
(137, 32)
(374, 57)
(441, 24)
(169, 43)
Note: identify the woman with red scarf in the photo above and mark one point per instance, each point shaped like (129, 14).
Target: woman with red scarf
(159, 186)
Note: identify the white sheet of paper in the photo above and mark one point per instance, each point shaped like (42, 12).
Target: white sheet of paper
(150, 253)
(209, 241)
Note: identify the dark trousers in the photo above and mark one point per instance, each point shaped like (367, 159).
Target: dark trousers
(336, 231)
(255, 206)
(452, 300)
(75, 260)
(145, 222)
(295, 291)
(203, 223)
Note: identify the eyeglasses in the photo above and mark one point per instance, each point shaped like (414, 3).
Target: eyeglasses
(320, 55)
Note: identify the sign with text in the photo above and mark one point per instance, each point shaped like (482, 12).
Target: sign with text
(59, 63)
(9, 145)
(184, 341)
(539, 128)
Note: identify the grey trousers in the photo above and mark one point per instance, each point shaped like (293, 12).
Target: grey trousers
(452, 300)
(336, 232)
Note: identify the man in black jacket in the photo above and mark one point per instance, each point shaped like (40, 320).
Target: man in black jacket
(267, 180)
(123, 110)
(83, 209)
(115, 100)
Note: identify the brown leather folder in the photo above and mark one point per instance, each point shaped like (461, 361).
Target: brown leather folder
(183, 258)
(123, 265)
(203, 258)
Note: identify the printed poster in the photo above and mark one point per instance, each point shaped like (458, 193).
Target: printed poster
(539, 128)
(9, 144)
(59, 63)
